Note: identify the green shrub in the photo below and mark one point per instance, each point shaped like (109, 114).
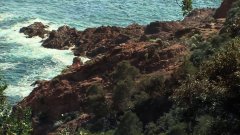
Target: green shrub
(122, 95)
(3, 86)
(154, 86)
(96, 102)
(204, 125)
(129, 125)
(138, 97)
(223, 63)
(199, 96)
(123, 85)
(186, 70)
(232, 23)
(81, 131)
(16, 121)
(168, 124)
(186, 6)
(123, 71)
(213, 92)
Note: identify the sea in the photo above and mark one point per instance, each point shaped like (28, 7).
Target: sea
(23, 60)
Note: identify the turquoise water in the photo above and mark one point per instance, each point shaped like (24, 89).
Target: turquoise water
(23, 60)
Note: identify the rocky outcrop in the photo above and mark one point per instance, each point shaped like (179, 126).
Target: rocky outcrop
(66, 92)
(157, 48)
(35, 29)
(222, 11)
(63, 38)
(92, 41)
(98, 41)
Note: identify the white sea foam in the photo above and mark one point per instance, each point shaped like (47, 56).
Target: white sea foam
(5, 66)
(22, 90)
(5, 16)
(31, 48)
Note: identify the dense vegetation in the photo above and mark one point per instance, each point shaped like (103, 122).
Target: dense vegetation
(205, 102)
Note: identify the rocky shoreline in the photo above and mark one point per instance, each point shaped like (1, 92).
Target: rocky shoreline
(98, 41)
(158, 48)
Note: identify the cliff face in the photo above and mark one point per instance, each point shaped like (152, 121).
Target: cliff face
(155, 49)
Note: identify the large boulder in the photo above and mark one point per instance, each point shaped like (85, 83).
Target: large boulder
(35, 29)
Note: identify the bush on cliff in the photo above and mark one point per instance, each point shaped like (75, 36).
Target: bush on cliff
(202, 99)
(122, 95)
(123, 71)
(206, 102)
(153, 86)
(168, 124)
(214, 92)
(3, 86)
(151, 98)
(123, 78)
(186, 6)
(203, 49)
(129, 125)
(96, 102)
(224, 63)
(13, 121)
(232, 24)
